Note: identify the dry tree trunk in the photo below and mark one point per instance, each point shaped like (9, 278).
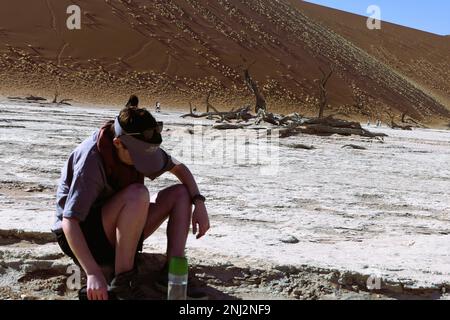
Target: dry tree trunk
(62, 101)
(409, 120)
(325, 130)
(289, 125)
(403, 117)
(391, 117)
(216, 112)
(208, 105)
(323, 91)
(65, 101)
(55, 99)
(241, 114)
(253, 87)
(394, 125)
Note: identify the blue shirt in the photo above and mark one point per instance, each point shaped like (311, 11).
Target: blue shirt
(84, 184)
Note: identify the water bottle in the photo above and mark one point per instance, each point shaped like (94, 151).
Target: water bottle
(178, 279)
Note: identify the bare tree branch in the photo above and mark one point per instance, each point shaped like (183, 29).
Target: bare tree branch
(253, 87)
(323, 98)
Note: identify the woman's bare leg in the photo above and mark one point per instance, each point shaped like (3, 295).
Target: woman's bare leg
(173, 203)
(128, 214)
(124, 218)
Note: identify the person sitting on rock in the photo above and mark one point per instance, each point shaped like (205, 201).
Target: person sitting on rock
(103, 207)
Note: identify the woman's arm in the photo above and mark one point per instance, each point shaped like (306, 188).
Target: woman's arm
(97, 287)
(200, 216)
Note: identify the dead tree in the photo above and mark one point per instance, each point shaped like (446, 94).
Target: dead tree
(289, 125)
(253, 87)
(394, 125)
(324, 130)
(410, 120)
(403, 117)
(391, 122)
(241, 114)
(326, 127)
(55, 99)
(62, 101)
(208, 105)
(34, 98)
(323, 98)
(65, 102)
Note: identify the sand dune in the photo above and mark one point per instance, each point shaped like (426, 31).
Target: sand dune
(424, 58)
(176, 51)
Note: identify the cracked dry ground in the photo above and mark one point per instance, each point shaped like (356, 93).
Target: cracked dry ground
(32, 268)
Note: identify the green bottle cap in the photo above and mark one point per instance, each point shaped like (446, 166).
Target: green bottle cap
(178, 266)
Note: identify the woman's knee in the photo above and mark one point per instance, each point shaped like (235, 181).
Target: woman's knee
(137, 193)
(181, 193)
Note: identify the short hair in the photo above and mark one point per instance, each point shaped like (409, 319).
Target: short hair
(133, 101)
(138, 120)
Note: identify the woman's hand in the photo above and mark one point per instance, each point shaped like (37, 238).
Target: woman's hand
(200, 218)
(97, 288)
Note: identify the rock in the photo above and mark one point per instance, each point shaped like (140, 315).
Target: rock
(353, 146)
(35, 189)
(297, 292)
(290, 240)
(396, 288)
(346, 279)
(301, 146)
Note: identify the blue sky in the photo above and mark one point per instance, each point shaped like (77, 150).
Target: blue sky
(428, 15)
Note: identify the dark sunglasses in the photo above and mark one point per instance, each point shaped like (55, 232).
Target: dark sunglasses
(149, 133)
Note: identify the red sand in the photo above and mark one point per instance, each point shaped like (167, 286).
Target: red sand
(177, 51)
